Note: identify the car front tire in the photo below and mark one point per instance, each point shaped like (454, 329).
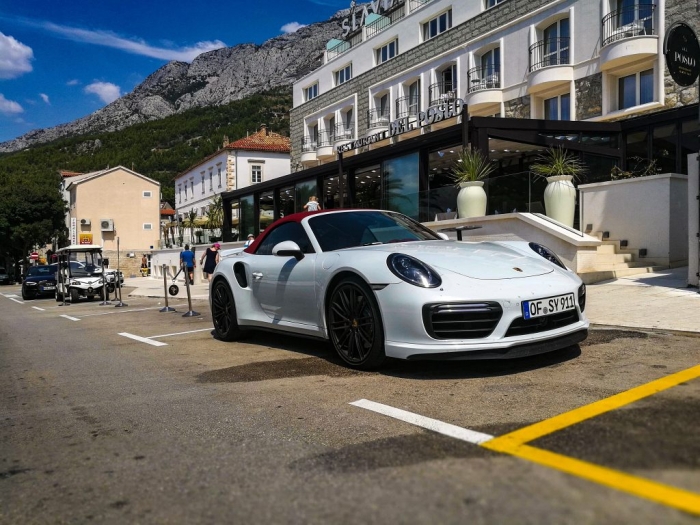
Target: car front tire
(223, 312)
(26, 295)
(74, 295)
(355, 324)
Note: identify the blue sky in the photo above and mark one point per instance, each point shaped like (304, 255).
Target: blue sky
(63, 59)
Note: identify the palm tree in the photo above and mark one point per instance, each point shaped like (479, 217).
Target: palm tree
(189, 223)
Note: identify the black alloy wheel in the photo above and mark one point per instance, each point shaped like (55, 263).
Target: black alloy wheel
(74, 295)
(355, 324)
(223, 312)
(26, 294)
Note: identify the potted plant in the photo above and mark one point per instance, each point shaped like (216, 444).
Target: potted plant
(468, 171)
(560, 169)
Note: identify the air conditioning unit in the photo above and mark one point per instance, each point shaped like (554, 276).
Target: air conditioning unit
(107, 225)
(85, 222)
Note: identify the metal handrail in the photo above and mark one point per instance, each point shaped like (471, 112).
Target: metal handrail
(442, 92)
(344, 46)
(387, 20)
(308, 144)
(550, 52)
(417, 4)
(484, 78)
(631, 21)
(343, 133)
(325, 138)
(407, 106)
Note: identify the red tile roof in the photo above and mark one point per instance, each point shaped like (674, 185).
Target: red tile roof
(263, 140)
(66, 174)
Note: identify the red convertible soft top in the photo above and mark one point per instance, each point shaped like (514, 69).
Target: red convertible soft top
(294, 217)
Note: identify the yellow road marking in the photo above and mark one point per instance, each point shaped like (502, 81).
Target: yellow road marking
(640, 487)
(567, 419)
(514, 444)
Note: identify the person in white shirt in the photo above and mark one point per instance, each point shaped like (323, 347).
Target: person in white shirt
(250, 240)
(313, 204)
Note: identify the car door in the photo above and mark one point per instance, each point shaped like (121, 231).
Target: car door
(284, 287)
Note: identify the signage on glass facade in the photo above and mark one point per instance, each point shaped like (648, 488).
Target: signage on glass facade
(376, 6)
(405, 124)
(682, 54)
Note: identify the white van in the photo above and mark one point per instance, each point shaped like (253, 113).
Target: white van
(80, 273)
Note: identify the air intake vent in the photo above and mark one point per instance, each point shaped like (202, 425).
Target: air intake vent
(462, 320)
(107, 225)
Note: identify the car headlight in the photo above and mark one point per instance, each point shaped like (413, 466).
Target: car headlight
(548, 254)
(30, 283)
(413, 271)
(75, 283)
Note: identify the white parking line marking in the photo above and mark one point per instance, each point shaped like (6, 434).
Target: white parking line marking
(16, 300)
(127, 311)
(142, 339)
(440, 427)
(37, 308)
(181, 333)
(69, 317)
(10, 295)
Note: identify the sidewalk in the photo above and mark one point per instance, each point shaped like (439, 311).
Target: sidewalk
(652, 300)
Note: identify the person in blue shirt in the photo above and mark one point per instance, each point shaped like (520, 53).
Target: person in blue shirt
(187, 260)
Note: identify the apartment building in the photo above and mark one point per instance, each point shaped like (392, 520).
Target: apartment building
(411, 82)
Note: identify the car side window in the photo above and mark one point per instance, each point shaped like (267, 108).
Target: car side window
(289, 231)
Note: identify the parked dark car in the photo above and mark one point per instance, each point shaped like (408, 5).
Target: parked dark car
(39, 281)
(4, 277)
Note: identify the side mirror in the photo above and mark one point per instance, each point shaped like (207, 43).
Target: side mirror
(288, 249)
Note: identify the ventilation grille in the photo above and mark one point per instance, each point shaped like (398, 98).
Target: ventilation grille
(461, 321)
(521, 326)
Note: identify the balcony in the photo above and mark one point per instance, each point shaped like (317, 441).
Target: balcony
(343, 135)
(442, 92)
(629, 35)
(407, 106)
(335, 47)
(417, 4)
(550, 64)
(324, 146)
(308, 150)
(484, 86)
(377, 121)
(377, 23)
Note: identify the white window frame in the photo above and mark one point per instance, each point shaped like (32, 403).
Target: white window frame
(379, 52)
(311, 92)
(147, 194)
(342, 75)
(219, 167)
(559, 105)
(256, 169)
(488, 4)
(427, 34)
(147, 226)
(211, 182)
(637, 88)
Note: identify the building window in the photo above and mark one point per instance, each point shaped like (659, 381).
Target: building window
(437, 25)
(491, 3)
(635, 89)
(147, 194)
(219, 177)
(557, 108)
(255, 173)
(202, 183)
(192, 187)
(311, 92)
(211, 184)
(343, 75)
(179, 193)
(387, 52)
(147, 226)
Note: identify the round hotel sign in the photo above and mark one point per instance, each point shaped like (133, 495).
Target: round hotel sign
(682, 53)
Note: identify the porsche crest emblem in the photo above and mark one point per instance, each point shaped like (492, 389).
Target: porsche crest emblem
(517, 269)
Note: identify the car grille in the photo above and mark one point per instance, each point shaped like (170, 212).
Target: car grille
(522, 326)
(461, 321)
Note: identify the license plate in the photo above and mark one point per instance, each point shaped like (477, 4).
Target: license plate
(46, 288)
(548, 306)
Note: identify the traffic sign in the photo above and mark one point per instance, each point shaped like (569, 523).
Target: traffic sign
(34, 256)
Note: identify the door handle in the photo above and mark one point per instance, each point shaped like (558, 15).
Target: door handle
(257, 276)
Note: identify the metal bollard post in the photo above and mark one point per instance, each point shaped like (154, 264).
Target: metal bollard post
(190, 312)
(62, 280)
(105, 293)
(166, 308)
(118, 281)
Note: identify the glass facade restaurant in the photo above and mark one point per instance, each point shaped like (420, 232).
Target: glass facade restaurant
(412, 176)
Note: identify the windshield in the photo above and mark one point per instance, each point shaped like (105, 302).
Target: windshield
(84, 264)
(47, 271)
(335, 231)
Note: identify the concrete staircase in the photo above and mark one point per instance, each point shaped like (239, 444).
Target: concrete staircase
(613, 261)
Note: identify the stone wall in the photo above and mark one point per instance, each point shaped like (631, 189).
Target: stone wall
(517, 107)
(589, 96)
(484, 22)
(680, 11)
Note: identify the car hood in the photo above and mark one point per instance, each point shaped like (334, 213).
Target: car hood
(477, 260)
(39, 278)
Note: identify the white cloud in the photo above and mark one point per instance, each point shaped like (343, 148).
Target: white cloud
(131, 45)
(9, 107)
(45, 98)
(73, 82)
(291, 27)
(15, 57)
(107, 91)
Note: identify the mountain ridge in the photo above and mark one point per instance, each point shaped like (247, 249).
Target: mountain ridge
(213, 78)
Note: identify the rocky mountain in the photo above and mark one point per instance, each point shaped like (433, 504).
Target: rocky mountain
(213, 78)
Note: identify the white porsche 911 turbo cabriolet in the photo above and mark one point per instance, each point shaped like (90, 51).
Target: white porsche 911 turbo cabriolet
(377, 283)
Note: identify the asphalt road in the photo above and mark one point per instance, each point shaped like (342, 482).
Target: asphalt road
(108, 428)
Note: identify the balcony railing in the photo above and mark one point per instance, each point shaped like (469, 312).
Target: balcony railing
(443, 92)
(551, 52)
(385, 21)
(308, 144)
(488, 77)
(344, 46)
(407, 106)
(325, 138)
(417, 4)
(342, 132)
(376, 118)
(636, 20)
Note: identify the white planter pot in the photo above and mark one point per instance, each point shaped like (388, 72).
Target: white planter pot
(560, 199)
(471, 200)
